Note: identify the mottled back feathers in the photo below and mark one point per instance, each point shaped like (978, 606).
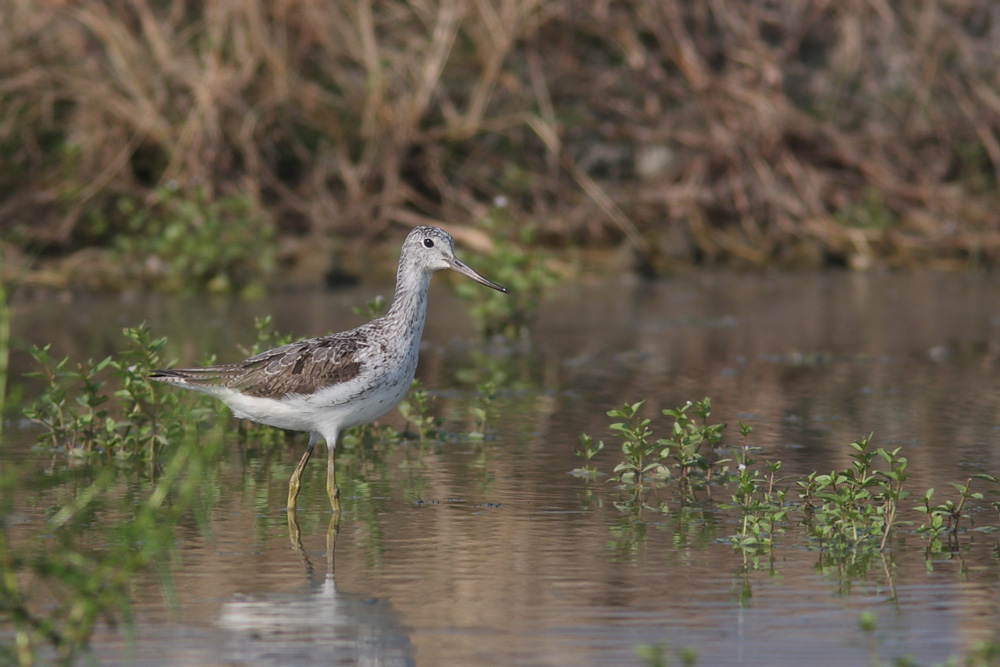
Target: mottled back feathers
(297, 368)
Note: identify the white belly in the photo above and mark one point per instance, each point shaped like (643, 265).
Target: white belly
(358, 401)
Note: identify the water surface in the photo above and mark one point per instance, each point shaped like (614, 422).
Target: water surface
(490, 552)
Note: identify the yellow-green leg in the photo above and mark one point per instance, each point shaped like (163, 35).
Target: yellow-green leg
(295, 483)
(331, 479)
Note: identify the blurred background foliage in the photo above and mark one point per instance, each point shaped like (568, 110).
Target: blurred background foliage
(801, 133)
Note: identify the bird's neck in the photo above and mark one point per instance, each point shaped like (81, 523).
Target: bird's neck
(409, 305)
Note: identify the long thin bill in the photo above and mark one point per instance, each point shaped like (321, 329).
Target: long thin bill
(464, 269)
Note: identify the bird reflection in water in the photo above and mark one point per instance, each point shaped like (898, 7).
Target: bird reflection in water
(318, 626)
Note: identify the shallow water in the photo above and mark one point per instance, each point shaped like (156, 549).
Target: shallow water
(492, 553)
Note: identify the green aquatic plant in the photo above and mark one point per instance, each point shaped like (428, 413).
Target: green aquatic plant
(73, 409)
(844, 510)
(55, 587)
(659, 655)
(944, 519)
(687, 439)
(858, 506)
(982, 654)
(637, 446)
(849, 513)
(756, 496)
(70, 423)
(978, 654)
(516, 262)
(645, 459)
(367, 437)
(416, 409)
(483, 408)
(588, 450)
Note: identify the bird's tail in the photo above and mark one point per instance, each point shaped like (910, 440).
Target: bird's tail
(208, 380)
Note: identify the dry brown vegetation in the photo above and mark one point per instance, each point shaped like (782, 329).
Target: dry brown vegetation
(801, 132)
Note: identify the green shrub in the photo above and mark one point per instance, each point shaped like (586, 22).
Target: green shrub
(191, 242)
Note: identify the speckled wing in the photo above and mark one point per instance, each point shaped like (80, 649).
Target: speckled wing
(297, 368)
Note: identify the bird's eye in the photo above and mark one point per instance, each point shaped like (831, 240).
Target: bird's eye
(428, 243)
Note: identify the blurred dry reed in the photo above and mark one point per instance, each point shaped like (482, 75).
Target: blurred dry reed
(802, 133)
